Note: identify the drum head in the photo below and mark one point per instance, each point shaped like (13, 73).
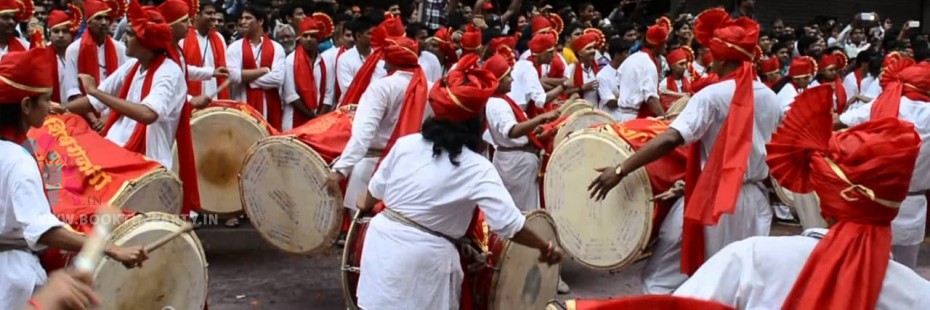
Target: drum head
(522, 282)
(156, 191)
(221, 137)
(605, 235)
(678, 106)
(575, 106)
(175, 275)
(581, 120)
(282, 192)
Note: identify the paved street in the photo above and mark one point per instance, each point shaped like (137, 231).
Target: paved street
(246, 273)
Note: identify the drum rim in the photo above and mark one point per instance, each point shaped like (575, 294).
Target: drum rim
(495, 277)
(678, 106)
(130, 186)
(605, 133)
(329, 238)
(576, 102)
(559, 137)
(351, 299)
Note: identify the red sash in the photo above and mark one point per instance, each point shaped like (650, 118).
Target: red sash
(578, 74)
(411, 110)
(194, 57)
(858, 75)
(306, 84)
(338, 92)
(52, 56)
(840, 90)
(87, 57)
(257, 97)
(15, 46)
(521, 117)
(362, 78)
(673, 87)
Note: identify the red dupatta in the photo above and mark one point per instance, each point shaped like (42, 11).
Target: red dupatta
(194, 55)
(256, 97)
(305, 83)
(87, 57)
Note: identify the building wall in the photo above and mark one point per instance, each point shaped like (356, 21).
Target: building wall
(799, 12)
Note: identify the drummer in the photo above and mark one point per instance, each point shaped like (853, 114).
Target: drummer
(62, 28)
(584, 70)
(435, 179)
(526, 87)
(731, 120)
(27, 224)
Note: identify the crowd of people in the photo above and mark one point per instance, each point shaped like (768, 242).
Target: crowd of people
(440, 83)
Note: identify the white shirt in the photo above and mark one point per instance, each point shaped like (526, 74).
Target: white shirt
(916, 112)
(705, 113)
(526, 86)
(545, 68)
(24, 217)
(786, 96)
(874, 89)
(272, 80)
(349, 64)
(759, 273)
(587, 76)
(204, 74)
(63, 84)
(639, 81)
(375, 118)
(6, 50)
(431, 66)
(289, 92)
(71, 63)
(166, 97)
(851, 85)
(501, 120)
(608, 88)
(663, 86)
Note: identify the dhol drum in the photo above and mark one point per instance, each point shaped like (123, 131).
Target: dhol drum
(613, 233)
(352, 257)
(805, 206)
(79, 168)
(576, 105)
(677, 104)
(282, 181)
(175, 275)
(514, 278)
(222, 135)
(580, 120)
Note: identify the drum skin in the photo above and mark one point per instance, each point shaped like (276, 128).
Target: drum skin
(174, 275)
(580, 120)
(222, 136)
(282, 192)
(156, 191)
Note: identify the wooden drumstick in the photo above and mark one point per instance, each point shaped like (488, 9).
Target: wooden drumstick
(151, 247)
(219, 89)
(93, 250)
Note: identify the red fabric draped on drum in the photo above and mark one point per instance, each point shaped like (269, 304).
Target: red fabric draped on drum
(327, 134)
(654, 302)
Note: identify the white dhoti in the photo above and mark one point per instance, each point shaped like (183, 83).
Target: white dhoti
(752, 217)
(358, 181)
(908, 230)
(21, 277)
(662, 274)
(519, 170)
(405, 268)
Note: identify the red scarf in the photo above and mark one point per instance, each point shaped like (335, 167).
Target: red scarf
(336, 90)
(521, 117)
(840, 90)
(306, 83)
(52, 56)
(578, 74)
(858, 75)
(194, 55)
(411, 110)
(644, 110)
(712, 194)
(87, 57)
(257, 97)
(362, 78)
(14, 45)
(137, 141)
(673, 87)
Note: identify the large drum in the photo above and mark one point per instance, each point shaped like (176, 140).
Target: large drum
(282, 181)
(676, 105)
(580, 120)
(576, 105)
(81, 168)
(175, 275)
(222, 135)
(613, 233)
(352, 257)
(514, 277)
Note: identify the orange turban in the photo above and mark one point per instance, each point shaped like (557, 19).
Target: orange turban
(801, 67)
(18, 78)
(678, 55)
(861, 176)
(23, 8)
(658, 34)
(727, 39)
(464, 92)
(540, 24)
(402, 53)
(498, 65)
(542, 43)
(72, 20)
(584, 41)
(771, 65)
(471, 39)
(150, 27)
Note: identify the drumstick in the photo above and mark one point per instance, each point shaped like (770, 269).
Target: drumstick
(219, 89)
(93, 250)
(151, 247)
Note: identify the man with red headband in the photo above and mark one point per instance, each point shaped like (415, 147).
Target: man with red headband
(308, 81)
(770, 71)
(390, 108)
(676, 82)
(552, 74)
(429, 184)
(861, 177)
(442, 46)
(470, 42)
(584, 71)
(13, 12)
(96, 54)
(256, 66)
(204, 51)
(527, 86)
(906, 96)
(800, 74)
(62, 27)
(731, 121)
(829, 66)
(639, 76)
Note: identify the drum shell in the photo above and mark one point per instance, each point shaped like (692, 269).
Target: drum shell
(352, 255)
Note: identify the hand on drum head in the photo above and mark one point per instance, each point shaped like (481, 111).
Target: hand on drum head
(607, 180)
(553, 257)
(549, 116)
(131, 256)
(66, 290)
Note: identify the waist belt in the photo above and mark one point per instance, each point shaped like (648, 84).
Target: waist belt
(14, 247)
(374, 152)
(464, 245)
(526, 148)
(917, 193)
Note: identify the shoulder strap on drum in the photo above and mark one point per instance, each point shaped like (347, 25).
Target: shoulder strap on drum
(465, 245)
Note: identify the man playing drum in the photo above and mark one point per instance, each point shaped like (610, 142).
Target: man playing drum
(430, 184)
(527, 88)
(27, 224)
(861, 176)
(731, 120)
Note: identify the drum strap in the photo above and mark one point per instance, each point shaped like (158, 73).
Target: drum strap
(464, 245)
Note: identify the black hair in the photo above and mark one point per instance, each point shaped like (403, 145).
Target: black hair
(921, 54)
(413, 29)
(804, 43)
(456, 21)
(451, 136)
(488, 34)
(567, 32)
(287, 10)
(362, 24)
(206, 3)
(875, 65)
(767, 33)
(624, 27)
(11, 115)
(680, 24)
(260, 13)
(864, 56)
(780, 45)
(618, 46)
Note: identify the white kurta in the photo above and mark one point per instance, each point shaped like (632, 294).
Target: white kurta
(874, 89)
(608, 88)
(349, 64)
(526, 86)
(71, 63)
(289, 91)
(63, 83)
(6, 50)
(24, 217)
(204, 74)
(431, 66)
(272, 80)
(166, 97)
(909, 226)
(702, 120)
(518, 168)
(545, 68)
(786, 96)
(851, 85)
(588, 76)
(662, 273)
(375, 119)
(759, 273)
(405, 268)
(663, 86)
(639, 81)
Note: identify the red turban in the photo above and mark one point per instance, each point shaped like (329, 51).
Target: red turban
(801, 67)
(584, 41)
(505, 46)
(861, 176)
(150, 27)
(827, 61)
(891, 58)
(114, 8)
(498, 65)
(390, 28)
(652, 302)
(18, 78)
(677, 56)
(471, 39)
(903, 78)
(444, 37)
(23, 8)
(771, 65)
(601, 40)
(658, 34)
(727, 39)
(327, 27)
(557, 23)
(72, 20)
(540, 24)
(464, 92)
(310, 25)
(542, 43)
(402, 53)
(174, 11)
